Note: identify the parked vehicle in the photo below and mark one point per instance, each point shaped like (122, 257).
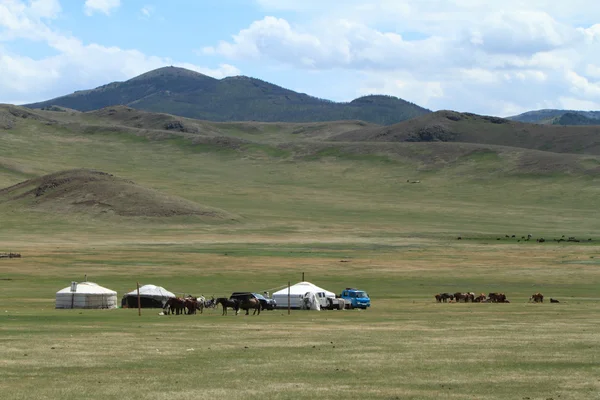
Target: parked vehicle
(356, 298)
(266, 304)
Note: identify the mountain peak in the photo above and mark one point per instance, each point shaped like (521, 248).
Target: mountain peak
(170, 72)
(187, 93)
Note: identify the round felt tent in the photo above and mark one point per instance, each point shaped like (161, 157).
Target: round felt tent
(86, 295)
(298, 293)
(150, 297)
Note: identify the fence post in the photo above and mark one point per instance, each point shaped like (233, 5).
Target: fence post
(139, 302)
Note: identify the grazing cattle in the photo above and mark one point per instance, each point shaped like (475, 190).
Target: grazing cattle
(228, 303)
(537, 298)
(469, 297)
(446, 297)
(248, 304)
(554, 300)
(438, 298)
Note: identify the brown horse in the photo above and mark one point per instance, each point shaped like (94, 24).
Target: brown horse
(228, 303)
(248, 304)
(191, 304)
(537, 298)
(174, 305)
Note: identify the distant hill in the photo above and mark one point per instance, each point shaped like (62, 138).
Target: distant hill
(95, 192)
(559, 117)
(190, 94)
(450, 126)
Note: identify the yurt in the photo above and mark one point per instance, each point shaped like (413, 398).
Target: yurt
(86, 295)
(151, 296)
(299, 292)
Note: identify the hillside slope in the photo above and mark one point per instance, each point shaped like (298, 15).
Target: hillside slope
(95, 192)
(559, 117)
(190, 94)
(450, 126)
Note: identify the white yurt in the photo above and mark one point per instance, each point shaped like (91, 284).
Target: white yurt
(151, 296)
(299, 292)
(86, 295)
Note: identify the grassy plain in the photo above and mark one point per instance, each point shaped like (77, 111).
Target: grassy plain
(303, 212)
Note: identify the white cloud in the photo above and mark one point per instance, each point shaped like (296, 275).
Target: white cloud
(45, 8)
(490, 57)
(147, 11)
(103, 6)
(75, 66)
(339, 43)
(571, 103)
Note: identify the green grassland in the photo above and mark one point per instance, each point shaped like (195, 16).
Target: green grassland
(303, 205)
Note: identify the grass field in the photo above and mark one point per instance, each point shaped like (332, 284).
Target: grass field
(304, 211)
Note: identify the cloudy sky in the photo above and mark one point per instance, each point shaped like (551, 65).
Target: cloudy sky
(497, 57)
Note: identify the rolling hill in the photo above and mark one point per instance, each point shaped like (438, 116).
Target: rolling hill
(292, 178)
(559, 117)
(96, 192)
(450, 126)
(190, 94)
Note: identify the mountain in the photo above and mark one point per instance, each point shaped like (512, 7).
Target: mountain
(190, 94)
(559, 117)
(450, 126)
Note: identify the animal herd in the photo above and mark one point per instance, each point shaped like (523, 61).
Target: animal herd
(190, 305)
(187, 305)
(482, 298)
(471, 297)
(541, 239)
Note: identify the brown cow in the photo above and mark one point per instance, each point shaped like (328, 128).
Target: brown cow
(438, 298)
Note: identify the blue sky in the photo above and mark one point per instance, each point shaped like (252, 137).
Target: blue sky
(493, 57)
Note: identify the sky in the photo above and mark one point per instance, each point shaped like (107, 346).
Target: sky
(494, 57)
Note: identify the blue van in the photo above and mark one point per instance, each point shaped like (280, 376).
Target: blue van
(356, 298)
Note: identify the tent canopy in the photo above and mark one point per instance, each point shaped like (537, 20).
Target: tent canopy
(302, 288)
(88, 288)
(151, 290)
(86, 295)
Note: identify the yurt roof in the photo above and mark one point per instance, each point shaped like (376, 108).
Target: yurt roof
(88, 288)
(302, 288)
(151, 290)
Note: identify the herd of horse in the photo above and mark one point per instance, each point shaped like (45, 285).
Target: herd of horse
(190, 305)
(471, 297)
(482, 298)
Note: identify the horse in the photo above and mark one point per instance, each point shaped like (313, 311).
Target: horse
(174, 305)
(212, 303)
(248, 304)
(537, 298)
(446, 296)
(225, 303)
(191, 304)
